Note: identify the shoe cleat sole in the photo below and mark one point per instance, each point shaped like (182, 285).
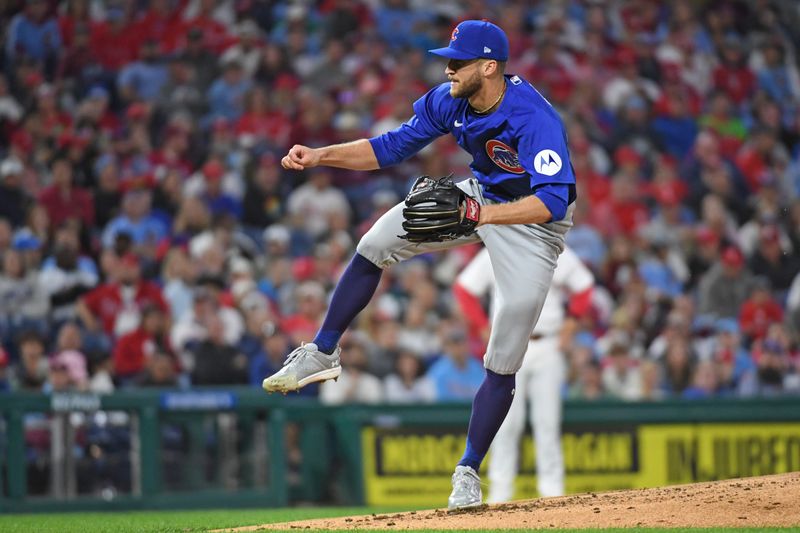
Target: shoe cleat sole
(467, 508)
(290, 383)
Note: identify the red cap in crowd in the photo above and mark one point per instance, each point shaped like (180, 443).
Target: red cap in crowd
(627, 155)
(625, 57)
(303, 268)
(213, 170)
(286, 82)
(129, 259)
(136, 111)
(33, 79)
(732, 257)
(668, 160)
(22, 139)
(706, 235)
(220, 124)
(138, 183)
(70, 139)
(667, 195)
(770, 234)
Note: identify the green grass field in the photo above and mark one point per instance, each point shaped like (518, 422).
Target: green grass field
(197, 521)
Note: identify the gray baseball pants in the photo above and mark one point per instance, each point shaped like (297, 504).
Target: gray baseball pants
(523, 259)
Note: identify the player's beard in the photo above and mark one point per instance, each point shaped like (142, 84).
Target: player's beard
(466, 88)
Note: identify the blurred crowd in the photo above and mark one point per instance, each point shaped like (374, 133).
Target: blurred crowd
(149, 236)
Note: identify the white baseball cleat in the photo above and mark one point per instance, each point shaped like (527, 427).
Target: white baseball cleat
(466, 489)
(306, 364)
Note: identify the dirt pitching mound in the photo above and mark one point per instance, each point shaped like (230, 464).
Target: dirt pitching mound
(748, 502)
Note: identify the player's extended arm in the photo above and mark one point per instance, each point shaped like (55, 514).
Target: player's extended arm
(386, 149)
(355, 155)
(528, 210)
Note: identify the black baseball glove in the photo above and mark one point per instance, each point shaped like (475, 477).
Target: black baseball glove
(436, 210)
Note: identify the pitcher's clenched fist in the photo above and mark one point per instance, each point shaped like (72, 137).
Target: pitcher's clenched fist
(300, 157)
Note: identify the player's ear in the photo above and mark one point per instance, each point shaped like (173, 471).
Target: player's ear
(489, 67)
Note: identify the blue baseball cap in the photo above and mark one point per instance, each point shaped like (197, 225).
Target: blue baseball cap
(97, 93)
(727, 325)
(25, 240)
(476, 39)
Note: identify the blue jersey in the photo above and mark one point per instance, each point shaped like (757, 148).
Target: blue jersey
(516, 150)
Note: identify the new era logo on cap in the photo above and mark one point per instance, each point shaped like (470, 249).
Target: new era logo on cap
(476, 39)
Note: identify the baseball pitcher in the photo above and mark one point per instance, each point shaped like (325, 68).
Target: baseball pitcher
(519, 202)
(539, 380)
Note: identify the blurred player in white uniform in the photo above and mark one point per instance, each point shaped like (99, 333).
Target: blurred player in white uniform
(541, 378)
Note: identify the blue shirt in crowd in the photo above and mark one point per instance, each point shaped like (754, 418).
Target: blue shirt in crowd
(224, 204)
(35, 40)
(226, 100)
(146, 79)
(148, 230)
(454, 383)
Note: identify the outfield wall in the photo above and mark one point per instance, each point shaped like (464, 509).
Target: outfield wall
(239, 447)
(411, 465)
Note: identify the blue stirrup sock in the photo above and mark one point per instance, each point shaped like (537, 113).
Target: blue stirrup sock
(489, 409)
(352, 294)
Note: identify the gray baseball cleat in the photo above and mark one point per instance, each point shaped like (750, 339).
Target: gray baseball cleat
(466, 489)
(304, 365)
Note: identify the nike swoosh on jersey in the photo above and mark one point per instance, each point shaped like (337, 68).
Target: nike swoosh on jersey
(458, 124)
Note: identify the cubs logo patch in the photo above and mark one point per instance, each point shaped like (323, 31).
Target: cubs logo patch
(454, 35)
(547, 162)
(503, 156)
